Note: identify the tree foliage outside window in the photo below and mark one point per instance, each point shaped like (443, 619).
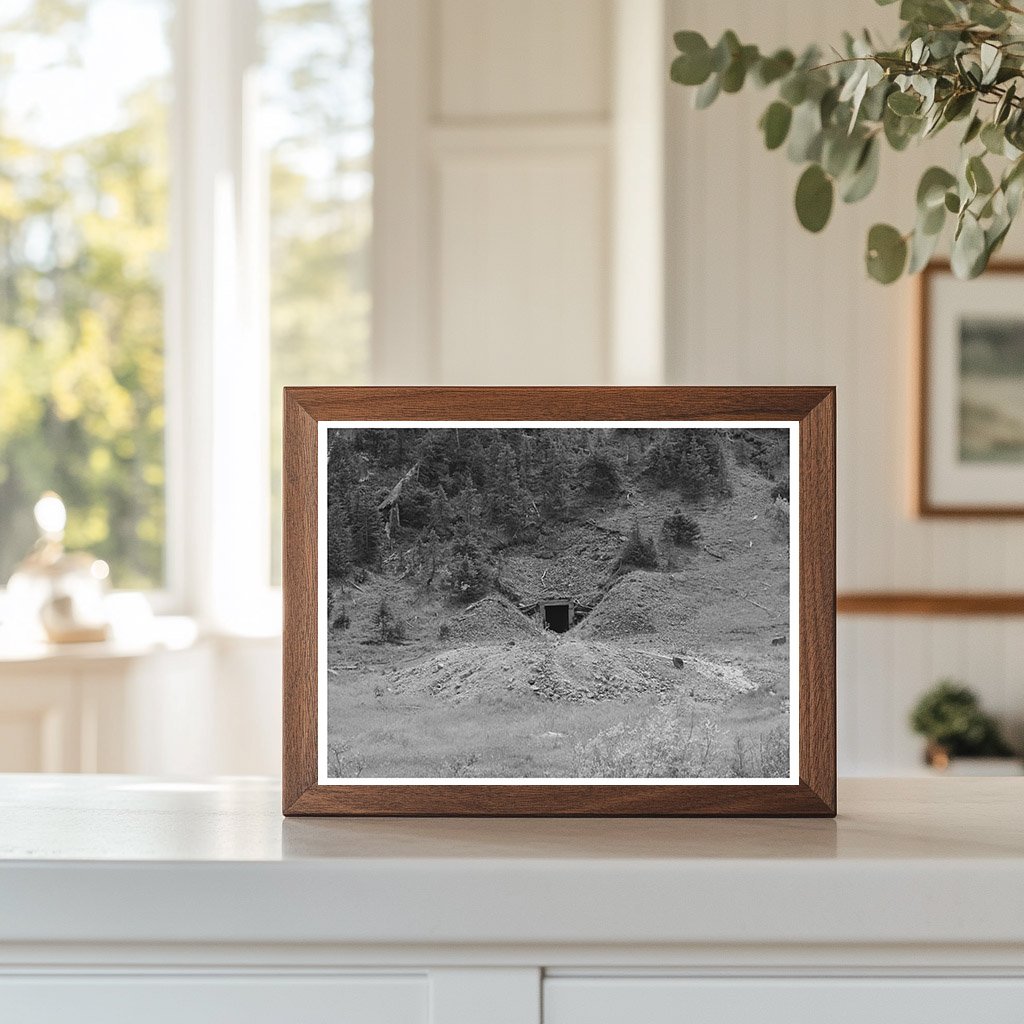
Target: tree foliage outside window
(317, 85)
(83, 233)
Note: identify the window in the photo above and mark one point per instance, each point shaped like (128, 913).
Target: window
(317, 88)
(185, 221)
(83, 234)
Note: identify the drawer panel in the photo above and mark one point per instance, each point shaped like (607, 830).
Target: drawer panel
(782, 1001)
(202, 999)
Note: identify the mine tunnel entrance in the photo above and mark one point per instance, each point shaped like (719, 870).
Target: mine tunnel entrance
(556, 617)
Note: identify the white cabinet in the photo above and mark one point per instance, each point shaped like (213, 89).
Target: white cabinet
(133, 899)
(216, 1000)
(651, 1000)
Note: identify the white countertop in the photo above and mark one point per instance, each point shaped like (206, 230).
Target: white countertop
(119, 859)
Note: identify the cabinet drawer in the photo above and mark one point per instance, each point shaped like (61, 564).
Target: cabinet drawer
(782, 1001)
(202, 999)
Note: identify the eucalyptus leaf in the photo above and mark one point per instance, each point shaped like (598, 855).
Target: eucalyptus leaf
(865, 173)
(735, 74)
(993, 138)
(973, 130)
(707, 93)
(814, 197)
(724, 51)
(771, 69)
(903, 103)
(931, 222)
(931, 190)
(968, 248)
(775, 124)
(886, 253)
(840, 152)
(1005, 105)
(922, 248)
(805, 133)
(991, 61)
(987, 15)
(691, 70)
(978, 176)
(957, 106)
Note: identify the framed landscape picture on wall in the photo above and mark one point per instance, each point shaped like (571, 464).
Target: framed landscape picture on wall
(532, 601)
(970, 451)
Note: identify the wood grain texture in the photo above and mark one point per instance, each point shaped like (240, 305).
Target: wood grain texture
(813, 408)
(924, 603)
(924, 505)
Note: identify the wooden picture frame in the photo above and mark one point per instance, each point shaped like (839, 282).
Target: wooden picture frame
(809, 415)
(942, 489)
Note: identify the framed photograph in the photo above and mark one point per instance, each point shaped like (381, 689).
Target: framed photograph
(970, 451)
(559, 601)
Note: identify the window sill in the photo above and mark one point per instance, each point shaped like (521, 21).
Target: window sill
(160, 633)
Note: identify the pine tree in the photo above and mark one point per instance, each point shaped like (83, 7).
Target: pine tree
(681, 529)
(440, 517)
(600, 474)
(366, 528)
(339, 539)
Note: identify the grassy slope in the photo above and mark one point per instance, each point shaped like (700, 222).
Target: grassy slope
(511, 701)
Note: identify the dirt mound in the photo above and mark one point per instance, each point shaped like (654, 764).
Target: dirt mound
(633, 607)
(491, 620)
(564, 669)
(545, 667)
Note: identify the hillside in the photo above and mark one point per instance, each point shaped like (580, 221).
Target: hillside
(457, 561)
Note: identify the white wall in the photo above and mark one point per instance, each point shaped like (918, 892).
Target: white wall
(514, 161)
(506, 134)
(753, 299)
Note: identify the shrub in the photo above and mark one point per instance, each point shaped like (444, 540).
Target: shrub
(673, 742)
(639, 550)
(681, 529)
(778, 514)
(469, 576)
(600, 474)
(669, 743)
(388, 625)
(781, 490)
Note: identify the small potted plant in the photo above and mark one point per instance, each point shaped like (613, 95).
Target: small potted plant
(950, 718)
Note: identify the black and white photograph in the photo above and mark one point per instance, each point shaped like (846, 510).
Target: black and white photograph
(557, 602)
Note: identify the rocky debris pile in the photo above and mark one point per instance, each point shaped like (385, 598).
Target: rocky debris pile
(632, 607)
(575, 560)
(726, 674)
(491, 620)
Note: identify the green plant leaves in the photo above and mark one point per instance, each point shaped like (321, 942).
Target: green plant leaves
(775, 122)
(771, 69)
(814, 197)
(865, 173)
(978, 176)
(805, 133)
(693, 65)
(887, 253)
(993, 138)
(904, 103)
(932, 189)
(957, 60)
(969, 253)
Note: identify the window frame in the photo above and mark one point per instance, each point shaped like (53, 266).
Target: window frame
(216, 340)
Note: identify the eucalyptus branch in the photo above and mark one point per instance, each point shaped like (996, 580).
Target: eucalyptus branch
(954, 60)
